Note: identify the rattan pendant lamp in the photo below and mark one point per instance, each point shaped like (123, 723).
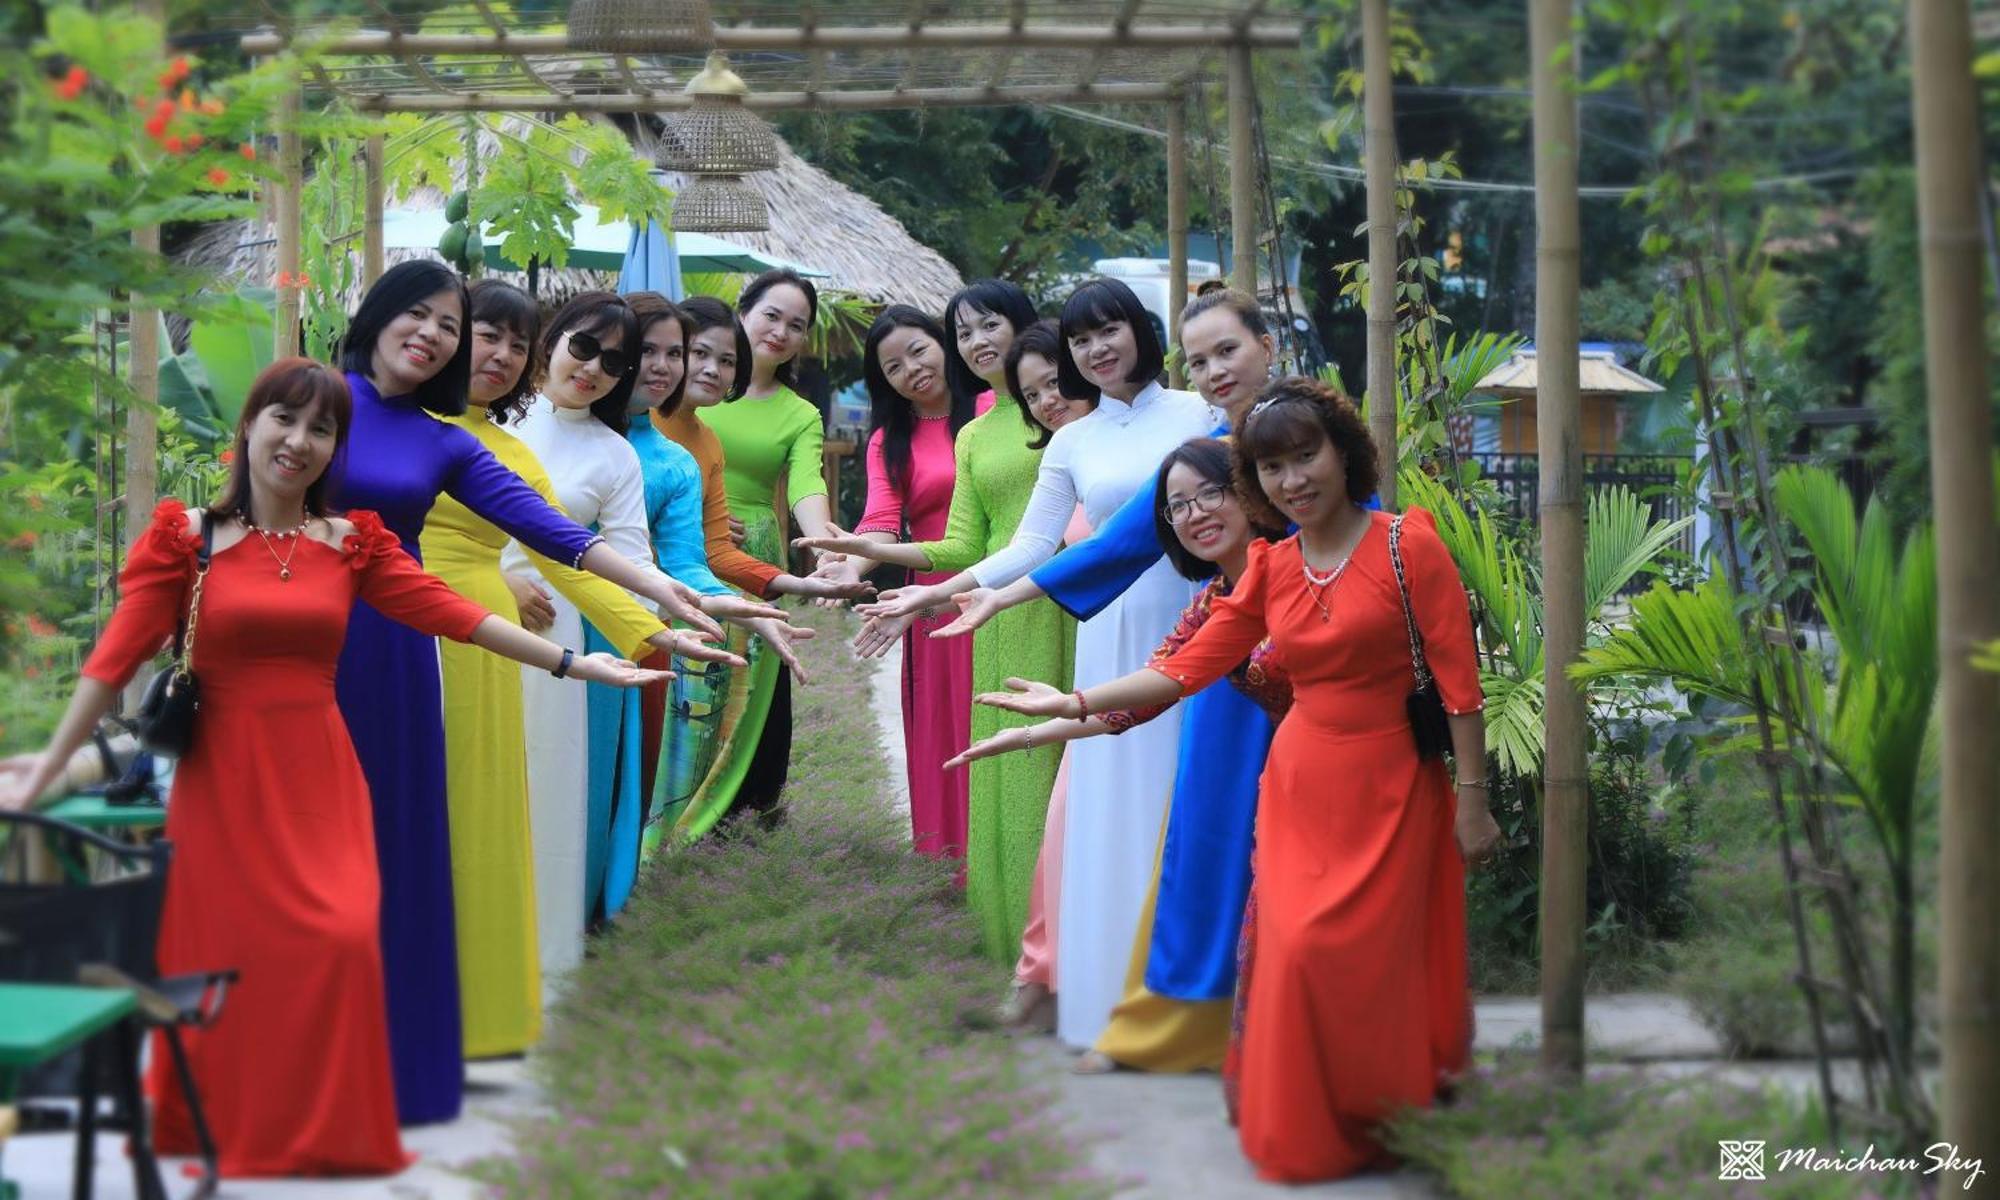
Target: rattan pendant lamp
(640, 26)
(716, 142)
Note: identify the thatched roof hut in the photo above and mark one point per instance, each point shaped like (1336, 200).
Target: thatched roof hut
(814, 220)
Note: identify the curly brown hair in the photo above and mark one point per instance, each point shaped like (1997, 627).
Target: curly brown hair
(1297, 413)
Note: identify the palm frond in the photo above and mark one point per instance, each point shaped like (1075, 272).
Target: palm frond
(1621, 540)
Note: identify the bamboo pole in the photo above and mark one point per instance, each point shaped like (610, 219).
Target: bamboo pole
(1558, 430)
(1177, 228)
(1273, 34)
(142, 416)
(1968, 562)
(371, 218)
(1378, 149)
(835, 101)
(286, 216)
(1242, 174)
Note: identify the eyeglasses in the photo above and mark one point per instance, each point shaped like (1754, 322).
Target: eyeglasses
(1207, 500)
(583, 348)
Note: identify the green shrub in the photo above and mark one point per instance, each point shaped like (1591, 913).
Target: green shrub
(1513, 1133)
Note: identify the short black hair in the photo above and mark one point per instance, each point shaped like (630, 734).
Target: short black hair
(705, 313)
(652, 308)
(504, 306)
(400, 287)
(1096, 304)
(1043, 340)
(1294, 413)
(597, 313)
(755, 289)
(1210, 459)
(995, 296)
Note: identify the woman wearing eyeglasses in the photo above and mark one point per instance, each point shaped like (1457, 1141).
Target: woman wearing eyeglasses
(587, 823)
(1207, 534)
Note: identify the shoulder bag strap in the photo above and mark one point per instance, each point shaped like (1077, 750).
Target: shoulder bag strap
(184, 636)
(1422, 668)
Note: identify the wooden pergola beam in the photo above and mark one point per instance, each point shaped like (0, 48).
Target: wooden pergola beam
(1256, 35)
(839, 101)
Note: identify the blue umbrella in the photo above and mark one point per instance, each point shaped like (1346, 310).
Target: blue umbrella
(651, 263)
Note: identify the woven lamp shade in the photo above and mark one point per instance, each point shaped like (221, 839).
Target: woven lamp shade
(718, 136)
(720, 204)
(640, 26)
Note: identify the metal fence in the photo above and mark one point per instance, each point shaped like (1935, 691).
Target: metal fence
(1655, 478)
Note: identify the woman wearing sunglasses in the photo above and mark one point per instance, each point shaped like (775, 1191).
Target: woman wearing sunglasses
(587, 824)
(408, 361)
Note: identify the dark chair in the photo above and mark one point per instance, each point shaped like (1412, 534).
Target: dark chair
(101, 931)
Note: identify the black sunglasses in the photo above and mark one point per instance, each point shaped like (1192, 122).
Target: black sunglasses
(583, 348)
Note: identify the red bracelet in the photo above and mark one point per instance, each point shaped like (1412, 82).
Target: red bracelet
(1082, 705)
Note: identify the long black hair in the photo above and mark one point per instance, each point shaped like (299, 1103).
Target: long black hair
(995, 297)
(1043, 340)
(652, 308)
(1099, 303)
(401, 287)
(754, 291)
(1210, 459)
(705, 313)
(508, 308)
(888, 409)
(597, 313)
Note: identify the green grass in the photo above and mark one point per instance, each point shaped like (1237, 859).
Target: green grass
(794, 1013)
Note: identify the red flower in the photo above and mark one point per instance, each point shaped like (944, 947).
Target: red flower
(195, 141)
(227, 456)
(26, 539)
(211, 108)
(72, 84)
(284, 279)
(218, 177)
(40, 627)
(176, 71)
(173, 143)
(248, 151)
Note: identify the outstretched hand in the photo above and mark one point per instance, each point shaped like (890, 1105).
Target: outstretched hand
(614, 671)
(837, 541)
(19, 784)
(841, 576)
(696, 647)
(1029, 698)
(1006, 741)
(879, 634)
(975, 608)
(779, 636)
(732, 607)
(901, 602)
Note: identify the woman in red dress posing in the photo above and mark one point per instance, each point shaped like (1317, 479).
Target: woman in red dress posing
(1359, 1003)
(274, 856)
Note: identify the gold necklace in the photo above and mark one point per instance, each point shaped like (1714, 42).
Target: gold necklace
(288, 535)
(1320, 584)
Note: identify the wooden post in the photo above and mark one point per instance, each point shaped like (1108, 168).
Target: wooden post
(371, 217)
(1558, 434)
(286, 216)
(1378, 150)
(1242, 173)
(142, 416)
(1968, 563)
(1177, 228)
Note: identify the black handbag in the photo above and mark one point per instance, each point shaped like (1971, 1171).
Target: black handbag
(165, 720)
(1428, 721)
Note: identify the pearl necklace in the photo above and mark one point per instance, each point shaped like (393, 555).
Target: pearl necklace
(1318, 585)
(286, 535)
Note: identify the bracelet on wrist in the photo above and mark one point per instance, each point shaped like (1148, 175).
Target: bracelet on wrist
(562, 668)
(1082, 705)
(1481, 784)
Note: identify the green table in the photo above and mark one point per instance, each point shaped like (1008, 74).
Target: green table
(39, 1022)
(94, 812)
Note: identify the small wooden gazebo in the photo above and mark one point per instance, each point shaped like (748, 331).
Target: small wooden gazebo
(1602, 382)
